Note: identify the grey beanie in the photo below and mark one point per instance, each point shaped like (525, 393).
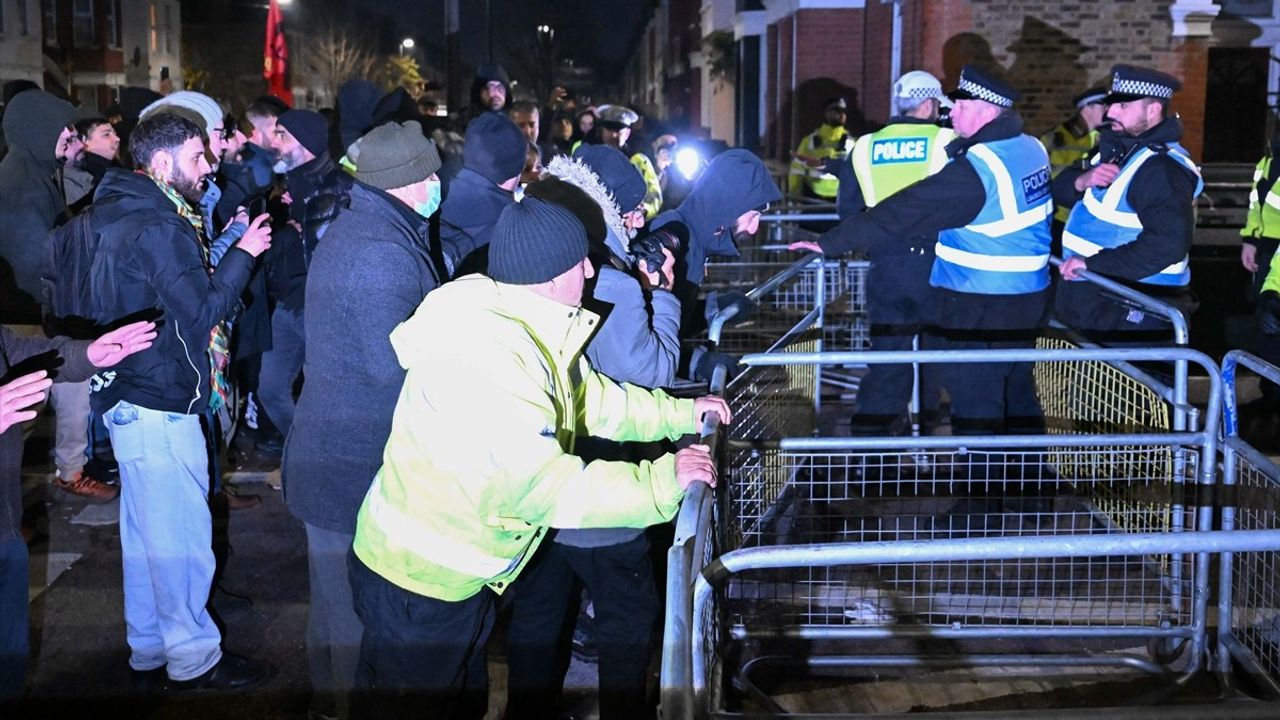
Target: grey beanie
(535, 241)
(396, 155)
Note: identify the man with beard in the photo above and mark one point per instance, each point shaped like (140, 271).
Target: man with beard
(990, 207)
(1133, 212)
(152, 263)
(831, 141)
(318, 190)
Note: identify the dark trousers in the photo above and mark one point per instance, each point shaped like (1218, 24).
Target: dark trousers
(885, 391)
(619, 579)
(420, 657)
(1266, 346)
(14, 612)
(280, 367)
(991, 398)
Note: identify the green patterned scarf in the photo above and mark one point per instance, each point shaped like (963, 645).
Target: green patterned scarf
(219, 342)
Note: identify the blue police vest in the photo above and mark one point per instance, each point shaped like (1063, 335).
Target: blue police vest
(1104, 219)
(1005, 249)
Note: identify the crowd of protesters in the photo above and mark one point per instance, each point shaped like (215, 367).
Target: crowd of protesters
(350, 296)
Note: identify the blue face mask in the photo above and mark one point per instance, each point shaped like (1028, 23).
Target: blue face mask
(428, 207)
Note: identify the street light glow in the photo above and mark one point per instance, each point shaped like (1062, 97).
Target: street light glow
(407, 43)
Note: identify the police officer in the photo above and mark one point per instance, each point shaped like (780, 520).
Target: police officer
(829, 142)
(1070, 143)
(990, 206)
(1133, 216)
(1261, 236)
(908, 149)
(613, 128)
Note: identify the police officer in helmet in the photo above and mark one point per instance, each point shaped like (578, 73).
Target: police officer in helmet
(1133, 213)
(990, 206)
(908, 149)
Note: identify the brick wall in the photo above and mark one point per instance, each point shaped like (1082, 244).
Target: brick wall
(1053, 50)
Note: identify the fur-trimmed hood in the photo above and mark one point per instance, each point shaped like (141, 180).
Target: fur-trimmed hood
(577, 173)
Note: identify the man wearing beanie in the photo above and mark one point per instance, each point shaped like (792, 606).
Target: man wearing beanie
(638, 342)
(480, 462)
(492, 159)
(378, 260)
(318, 188)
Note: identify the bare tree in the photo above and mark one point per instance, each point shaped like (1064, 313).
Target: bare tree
(335, 55)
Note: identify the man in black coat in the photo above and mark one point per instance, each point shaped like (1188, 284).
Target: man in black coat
(151, 262)
(493, 158)
(379, 259)
(1132, 213)
(318, 191)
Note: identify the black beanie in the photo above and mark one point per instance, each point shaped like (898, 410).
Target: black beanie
(535, 241)
(309, 128)
(616, 172)
(494, 147)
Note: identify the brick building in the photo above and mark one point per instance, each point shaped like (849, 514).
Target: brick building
(791, 55)
(88, 49)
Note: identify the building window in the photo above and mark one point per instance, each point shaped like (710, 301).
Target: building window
(84, 31)
(153, 27)
(49, 21)
(112, 26)
(168, 28)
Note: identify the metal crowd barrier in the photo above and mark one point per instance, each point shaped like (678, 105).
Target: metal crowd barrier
(1249, 589)
(1083, 496)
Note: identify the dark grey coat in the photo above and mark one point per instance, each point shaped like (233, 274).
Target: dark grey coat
(369, 275)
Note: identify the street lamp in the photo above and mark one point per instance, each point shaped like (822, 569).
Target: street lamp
(406, 44)
(547, 30)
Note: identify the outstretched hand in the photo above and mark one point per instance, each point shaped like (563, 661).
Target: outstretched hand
(805, 246)
(19, 394)
(120, 343)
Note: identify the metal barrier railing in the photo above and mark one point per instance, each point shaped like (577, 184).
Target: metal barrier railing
(1249, 591)
(1162, 577)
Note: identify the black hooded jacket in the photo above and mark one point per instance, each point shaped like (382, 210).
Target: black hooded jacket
(149, 265)
(485, 74)
(950, 198)
(31, 201)
(733, 183)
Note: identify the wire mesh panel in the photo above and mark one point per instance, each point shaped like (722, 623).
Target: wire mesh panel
(1255, 593)
(1096, 398)
(851, 497)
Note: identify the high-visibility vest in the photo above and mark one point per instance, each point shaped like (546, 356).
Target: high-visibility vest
(1104, 219)
(1005, 249)
(1264, 211)
(896, 156)
(826, 142)
(1066, 149)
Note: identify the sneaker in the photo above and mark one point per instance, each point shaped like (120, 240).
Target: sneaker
(83, 486)
(584, 648)
(232, 674)
(147, 682)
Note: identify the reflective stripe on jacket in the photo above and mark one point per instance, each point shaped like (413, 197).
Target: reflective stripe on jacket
(1104, 219)
(896, 156)
(1005, 249)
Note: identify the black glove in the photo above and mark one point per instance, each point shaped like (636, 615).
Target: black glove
(718, 301)
(706, 362)
(1268, 312)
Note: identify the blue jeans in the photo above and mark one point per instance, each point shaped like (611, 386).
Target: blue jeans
(166, 536)
(14, 612)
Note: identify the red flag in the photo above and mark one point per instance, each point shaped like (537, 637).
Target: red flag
(275, 56)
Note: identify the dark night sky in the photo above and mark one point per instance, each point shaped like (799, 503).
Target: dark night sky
(597, 32)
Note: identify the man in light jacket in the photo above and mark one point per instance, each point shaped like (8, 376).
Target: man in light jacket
(480, 464)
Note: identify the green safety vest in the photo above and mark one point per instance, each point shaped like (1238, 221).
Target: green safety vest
(896, 156)
(1066, 149)
(1264, 212)
(826, 142)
